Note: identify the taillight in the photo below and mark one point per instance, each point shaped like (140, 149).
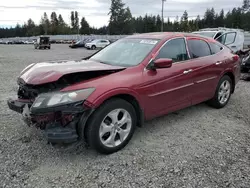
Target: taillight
(236, 57)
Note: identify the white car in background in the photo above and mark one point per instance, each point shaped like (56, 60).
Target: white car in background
(29, 42)
(233, 38)
(97, 43)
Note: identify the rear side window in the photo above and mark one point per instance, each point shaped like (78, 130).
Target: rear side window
(198, 48)
(174, 49)
(215, 48)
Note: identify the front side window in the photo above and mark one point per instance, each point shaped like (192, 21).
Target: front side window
(221, 39)
(174, 49)
(198, 48)
(230, 38)
(126, 52)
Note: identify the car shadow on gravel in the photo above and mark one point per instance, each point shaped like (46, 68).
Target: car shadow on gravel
(245, 77)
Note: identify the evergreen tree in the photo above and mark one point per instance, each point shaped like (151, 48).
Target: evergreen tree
(120, 18)
(184, 22)
(72, 19)
(45, 23)
(85, 29)
(54, 24)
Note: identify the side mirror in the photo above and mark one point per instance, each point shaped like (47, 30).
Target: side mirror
(163, 63)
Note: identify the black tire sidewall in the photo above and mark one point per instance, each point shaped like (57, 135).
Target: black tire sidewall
(224, 78)
(95, 120)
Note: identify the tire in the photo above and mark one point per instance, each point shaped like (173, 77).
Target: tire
(102, 114)
(49, 48)
(93, 47)
(217, 101)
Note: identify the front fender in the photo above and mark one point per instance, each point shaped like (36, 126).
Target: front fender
(114, 92)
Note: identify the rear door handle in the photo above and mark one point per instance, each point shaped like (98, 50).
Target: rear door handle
(218, 63)
(187, 71)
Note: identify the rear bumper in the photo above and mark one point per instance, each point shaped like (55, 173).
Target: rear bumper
(61, 126)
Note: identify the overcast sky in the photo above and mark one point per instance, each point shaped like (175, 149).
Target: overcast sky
(95, 11)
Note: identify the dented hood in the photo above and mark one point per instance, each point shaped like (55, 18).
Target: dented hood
(45, 72)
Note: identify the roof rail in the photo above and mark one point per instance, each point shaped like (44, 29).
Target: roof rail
(221, 29)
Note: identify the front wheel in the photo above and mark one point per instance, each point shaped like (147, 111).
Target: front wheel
(112, 126)
(93, 47)
(223, 93)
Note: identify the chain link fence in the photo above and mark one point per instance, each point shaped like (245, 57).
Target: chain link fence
(81, 37)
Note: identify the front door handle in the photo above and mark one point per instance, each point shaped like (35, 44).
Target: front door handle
(218, 63)
(187, 71)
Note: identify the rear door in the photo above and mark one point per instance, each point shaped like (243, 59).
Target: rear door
(104, 43)
(98, 44)
(208, 65)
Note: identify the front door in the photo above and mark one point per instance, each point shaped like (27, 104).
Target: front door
(169, 89)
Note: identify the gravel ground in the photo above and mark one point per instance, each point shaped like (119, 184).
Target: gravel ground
(195, 147)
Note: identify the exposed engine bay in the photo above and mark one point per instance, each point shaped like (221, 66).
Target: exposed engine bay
(30, 92)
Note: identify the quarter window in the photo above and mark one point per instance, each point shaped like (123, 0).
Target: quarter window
(198, 48)
(174, 49)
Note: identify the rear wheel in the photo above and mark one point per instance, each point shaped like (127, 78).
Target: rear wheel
(223, 93)
(112, 126)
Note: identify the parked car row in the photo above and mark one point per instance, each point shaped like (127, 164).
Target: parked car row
(92, 43)
(17, 42)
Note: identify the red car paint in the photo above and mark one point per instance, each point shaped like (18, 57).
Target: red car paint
(165, 90)
(157, 91)
(41, 73)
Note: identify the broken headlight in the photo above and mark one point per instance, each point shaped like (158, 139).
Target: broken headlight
(61, 98)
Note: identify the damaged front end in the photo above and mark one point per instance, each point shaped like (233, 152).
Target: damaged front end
(44, 101)
(57, 113)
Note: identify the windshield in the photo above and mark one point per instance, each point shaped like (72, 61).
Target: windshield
(207, 34)
(125, 52)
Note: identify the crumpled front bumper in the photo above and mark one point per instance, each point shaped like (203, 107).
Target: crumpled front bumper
(62, 125)
(17, 105)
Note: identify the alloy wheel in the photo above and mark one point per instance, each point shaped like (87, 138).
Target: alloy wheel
(224, 92)
(115, 128)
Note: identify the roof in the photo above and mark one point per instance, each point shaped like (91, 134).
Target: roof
(221, 29)
(164, 35)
